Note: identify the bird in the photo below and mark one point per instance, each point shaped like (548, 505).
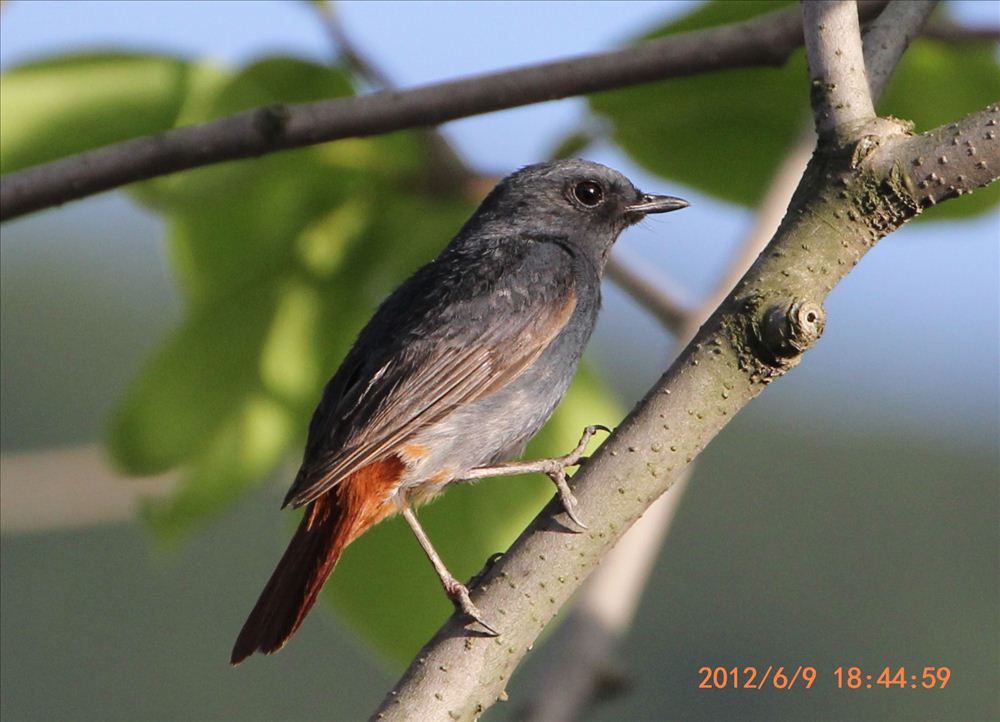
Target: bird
(457, 369)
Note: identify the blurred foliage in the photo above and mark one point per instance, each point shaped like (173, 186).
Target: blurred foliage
(65, 105)
(726, 133)
(282, 259)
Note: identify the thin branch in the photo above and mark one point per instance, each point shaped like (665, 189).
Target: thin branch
(951, 32)
(888, 37)
(765, 40)
(660, 302)
(347, 51)
(840, 96)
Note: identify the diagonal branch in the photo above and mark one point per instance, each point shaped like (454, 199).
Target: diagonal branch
(861, 184)
(765, 40)
(346, 50)
(587, 638)
(663, 304)
(888, 37)
(848, 199)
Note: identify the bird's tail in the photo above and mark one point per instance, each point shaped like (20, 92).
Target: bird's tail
(328, 526)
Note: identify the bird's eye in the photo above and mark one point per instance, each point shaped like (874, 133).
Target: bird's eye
(589, 193)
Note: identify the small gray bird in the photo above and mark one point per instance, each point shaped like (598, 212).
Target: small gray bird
(454, 373)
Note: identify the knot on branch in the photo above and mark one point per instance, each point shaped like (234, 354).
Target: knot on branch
(270, 121)
(787, 330)
(773, 340)
(881, 191)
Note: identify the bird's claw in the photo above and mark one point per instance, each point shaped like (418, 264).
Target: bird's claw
(459, 595)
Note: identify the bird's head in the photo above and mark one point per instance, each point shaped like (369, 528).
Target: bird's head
(585, 203)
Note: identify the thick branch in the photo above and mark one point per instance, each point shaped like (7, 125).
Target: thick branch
(765, 40)
(850, 196)
(949, 161)
(840, 96)
(586, 641)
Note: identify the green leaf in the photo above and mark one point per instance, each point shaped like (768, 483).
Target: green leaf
(722, 133)
(249, 444)
(60, 106)
(725, 133)
(192, 385)
(385, 588)
(281, 259)
(280, 80)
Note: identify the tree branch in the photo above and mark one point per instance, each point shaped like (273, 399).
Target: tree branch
(585, 642)
(950, 32)
(346, 50)
(949, 161)
(662, 304)
(854, 191)
(840, 95)
(764, 40)
(888, 37)
(850, 197)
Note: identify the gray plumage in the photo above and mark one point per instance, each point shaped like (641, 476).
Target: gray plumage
(472, 354)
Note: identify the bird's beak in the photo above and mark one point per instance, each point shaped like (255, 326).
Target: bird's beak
(657, 204)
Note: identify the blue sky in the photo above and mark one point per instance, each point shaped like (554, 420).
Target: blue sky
(914, 331)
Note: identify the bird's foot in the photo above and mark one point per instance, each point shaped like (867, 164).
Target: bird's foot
(458, 593)
(555, 469)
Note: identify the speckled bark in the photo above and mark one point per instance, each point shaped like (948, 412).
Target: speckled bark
(836, 65)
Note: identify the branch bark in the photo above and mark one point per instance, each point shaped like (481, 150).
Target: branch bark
(585, 643)
(888, 37)
(764, 40)
(840, 95)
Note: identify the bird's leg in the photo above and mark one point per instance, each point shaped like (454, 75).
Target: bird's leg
(456, 591)
(555, 469)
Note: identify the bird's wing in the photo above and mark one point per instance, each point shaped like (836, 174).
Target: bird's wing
(363, 420)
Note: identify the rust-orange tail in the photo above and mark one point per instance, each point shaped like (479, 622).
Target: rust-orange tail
(330, 523)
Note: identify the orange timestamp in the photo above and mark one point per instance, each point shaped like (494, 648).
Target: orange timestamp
(892, 678)
(804, 677)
